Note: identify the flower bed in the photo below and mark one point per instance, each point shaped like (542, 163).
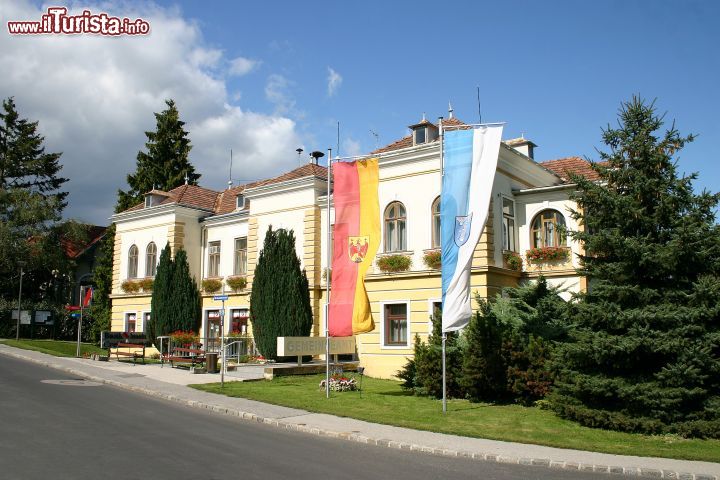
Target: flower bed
(180, 337)
(547, 254)
(394, 263)
(339, 383)
(433, 259)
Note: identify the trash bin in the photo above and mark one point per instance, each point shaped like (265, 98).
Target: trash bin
(211, 362)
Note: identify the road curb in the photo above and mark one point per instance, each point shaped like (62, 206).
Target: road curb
(381, 442)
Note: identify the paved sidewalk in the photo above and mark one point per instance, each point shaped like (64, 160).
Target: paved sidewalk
(171, 384)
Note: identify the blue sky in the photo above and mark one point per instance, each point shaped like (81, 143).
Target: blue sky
(555, 71)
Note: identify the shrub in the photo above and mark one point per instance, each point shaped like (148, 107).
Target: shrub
(236, 283)
(130, 286)
(211, 285)
(529, 378)
(146, 284)
(513, 261)
(433, 259)
(394, 263)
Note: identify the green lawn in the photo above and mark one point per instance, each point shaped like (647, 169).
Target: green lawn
(54, 347)
(383, 401)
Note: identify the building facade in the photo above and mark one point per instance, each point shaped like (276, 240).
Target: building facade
(222, 233)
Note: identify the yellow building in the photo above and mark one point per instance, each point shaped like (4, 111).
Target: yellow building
(223, 231)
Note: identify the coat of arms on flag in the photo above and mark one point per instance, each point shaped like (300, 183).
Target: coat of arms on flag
(358, 248)
(462, 229)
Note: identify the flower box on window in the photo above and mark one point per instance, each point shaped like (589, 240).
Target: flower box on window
(394, 263)
(513, 261)
(146, 284)
(547, 254)
(432, 259)
(130, 286)
(212, 285)
(236, 282)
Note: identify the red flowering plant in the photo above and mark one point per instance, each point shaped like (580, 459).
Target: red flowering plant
(180, 337)
(547, 254)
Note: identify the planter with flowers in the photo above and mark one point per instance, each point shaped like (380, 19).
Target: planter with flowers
(340, 383)
(548, 258)
(130, 286)
(394, 263)
(513, 261)
(180, 337)
(432, 259)
(236, 283)
(146, 284)
(211, 285)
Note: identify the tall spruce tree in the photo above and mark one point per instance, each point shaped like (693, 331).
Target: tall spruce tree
(280, 296)
(163, 166)
(31, 202)
(644, 353)
(184, 297)
(161, 307)
(166, 162)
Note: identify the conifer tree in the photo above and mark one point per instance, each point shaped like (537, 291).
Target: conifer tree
(166, 162)
(644, 353)
(31, 201)
(161, 307)
(280, 296)
(184, 297)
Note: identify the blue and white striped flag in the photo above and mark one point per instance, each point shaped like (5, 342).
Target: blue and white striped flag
(470, 160)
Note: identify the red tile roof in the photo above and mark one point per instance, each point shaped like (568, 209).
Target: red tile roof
(224, 202)
(563, 167)
(406, 142)
(74, 249)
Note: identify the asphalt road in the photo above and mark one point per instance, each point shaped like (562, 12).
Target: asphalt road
(52, 427)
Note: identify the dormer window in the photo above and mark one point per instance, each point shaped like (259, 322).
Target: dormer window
(420, 135)
(240, 202)
(155, 197)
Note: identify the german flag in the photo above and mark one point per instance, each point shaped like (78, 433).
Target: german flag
(356, 241)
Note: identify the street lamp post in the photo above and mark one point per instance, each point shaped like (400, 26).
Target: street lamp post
(17, 331)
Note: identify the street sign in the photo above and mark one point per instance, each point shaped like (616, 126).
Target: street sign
(74, 315)
(220, 298)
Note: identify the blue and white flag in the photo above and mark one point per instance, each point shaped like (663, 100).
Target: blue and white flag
(470, 159)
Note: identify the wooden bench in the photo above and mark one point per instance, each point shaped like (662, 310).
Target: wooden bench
(132, 351)
(193, 356)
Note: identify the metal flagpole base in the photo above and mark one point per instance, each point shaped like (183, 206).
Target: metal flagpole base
(444, 380)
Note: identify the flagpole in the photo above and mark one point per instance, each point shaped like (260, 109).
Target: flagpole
(328, 256)
(82, 304)
(444, 335)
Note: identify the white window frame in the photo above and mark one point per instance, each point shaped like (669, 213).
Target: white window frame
(514, 246)
(142, 321)
(384, 229)
(219, 254)
(408, 341)
(126, 321)
(205, 318)
(432, 301)
(235, 250)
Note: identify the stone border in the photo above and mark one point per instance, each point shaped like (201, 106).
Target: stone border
(381, 442)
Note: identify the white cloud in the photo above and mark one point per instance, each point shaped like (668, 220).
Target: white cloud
(351, 147)
(334, 81)
(95, 97)
(242, 66)
(277, 91)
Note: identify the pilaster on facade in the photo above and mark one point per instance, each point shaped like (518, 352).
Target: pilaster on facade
(311, 246)
(252, 250)
(176, 236)
(484, 254)
(117, 255)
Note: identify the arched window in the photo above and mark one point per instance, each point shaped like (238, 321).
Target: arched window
(435, 214)
(150, 260)
(395, 230)
(133, 262)
(548, 229)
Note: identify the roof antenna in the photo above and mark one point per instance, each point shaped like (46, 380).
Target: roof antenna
(377, 138)
(478, 98)
(186, 177)
(450, 110)
(316, 156)
(338, 142)
(230, 179)
(299, 151)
